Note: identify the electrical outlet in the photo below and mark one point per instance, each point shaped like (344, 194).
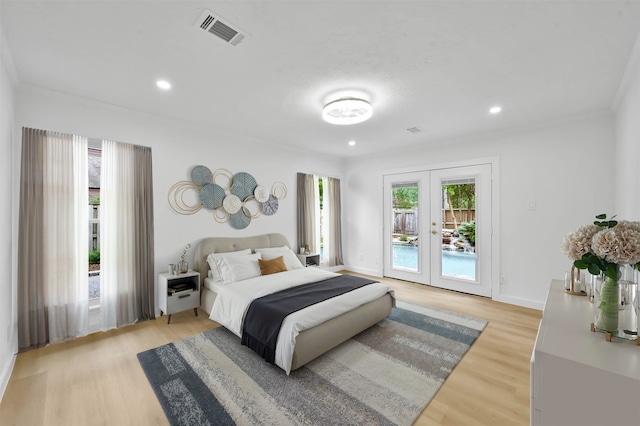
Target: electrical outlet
(503, 280)
(361, 257)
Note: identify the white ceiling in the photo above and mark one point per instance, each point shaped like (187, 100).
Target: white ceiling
(437, 65)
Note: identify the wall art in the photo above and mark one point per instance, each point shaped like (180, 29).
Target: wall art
(234, 198)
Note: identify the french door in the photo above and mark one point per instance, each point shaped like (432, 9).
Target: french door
(438, 228)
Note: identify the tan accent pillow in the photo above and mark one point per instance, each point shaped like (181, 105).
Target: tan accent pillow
(272, 266)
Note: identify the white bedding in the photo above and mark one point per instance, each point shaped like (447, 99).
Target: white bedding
(213, 285)
(233, 300)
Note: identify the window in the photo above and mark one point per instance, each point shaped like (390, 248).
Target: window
(319, 217)
(56, 235)
(93, 168)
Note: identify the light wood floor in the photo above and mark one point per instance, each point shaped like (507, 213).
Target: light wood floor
(98, 380)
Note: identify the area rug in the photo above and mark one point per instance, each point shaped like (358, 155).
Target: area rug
(385, 375)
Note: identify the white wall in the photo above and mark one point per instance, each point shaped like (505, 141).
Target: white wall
(565, 167)
(628, 140)
(177, 147)
(8, 316)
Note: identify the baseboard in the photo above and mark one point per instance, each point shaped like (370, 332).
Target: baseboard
(364, 271)
(6, 376)
(526, 303)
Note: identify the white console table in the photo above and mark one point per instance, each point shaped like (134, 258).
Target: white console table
(577, 378)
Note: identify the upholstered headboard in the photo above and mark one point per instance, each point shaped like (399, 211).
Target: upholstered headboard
(226, 244)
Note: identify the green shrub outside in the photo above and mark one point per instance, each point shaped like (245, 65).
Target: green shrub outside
(94, 257)
(467, 231)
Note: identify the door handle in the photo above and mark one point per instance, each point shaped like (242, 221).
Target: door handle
(434, 232)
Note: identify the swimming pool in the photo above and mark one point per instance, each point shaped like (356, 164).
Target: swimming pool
(454, 263)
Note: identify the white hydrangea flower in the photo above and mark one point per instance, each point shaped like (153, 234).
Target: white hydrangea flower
(619, 245)
(628, 234)
(605, 245)
(578, 242)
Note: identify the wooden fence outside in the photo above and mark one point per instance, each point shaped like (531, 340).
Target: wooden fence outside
(406, 221)
(461, 216)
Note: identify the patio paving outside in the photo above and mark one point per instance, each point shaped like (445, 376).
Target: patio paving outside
(94, 285)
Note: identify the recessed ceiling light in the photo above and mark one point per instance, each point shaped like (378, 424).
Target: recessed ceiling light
(495, 110)
(163, 84)
(352, 143)
(347, 111)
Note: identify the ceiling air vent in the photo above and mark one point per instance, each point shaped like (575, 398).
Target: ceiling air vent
(414, 130)
(219, 27)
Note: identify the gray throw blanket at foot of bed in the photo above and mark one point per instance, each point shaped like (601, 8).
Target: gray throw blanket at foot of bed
(265, 315)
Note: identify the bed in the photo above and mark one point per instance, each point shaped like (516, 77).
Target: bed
(344, 320)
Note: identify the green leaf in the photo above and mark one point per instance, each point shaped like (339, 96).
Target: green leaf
(592, 258)
(580, 264)
(601, 216)
(594, 269)
(602, 264)
(612, 223)
(600, 224)
(612, 271)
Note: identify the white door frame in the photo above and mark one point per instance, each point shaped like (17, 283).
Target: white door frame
(421, 178)
(481, 285)
(495, 208)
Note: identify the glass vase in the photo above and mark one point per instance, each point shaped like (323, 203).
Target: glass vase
(606, 305)
(616, 304)
(628, 309)
(184, 266)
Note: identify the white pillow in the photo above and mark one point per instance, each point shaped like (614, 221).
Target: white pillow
(290, 258)
(215, 271)
(238, 268)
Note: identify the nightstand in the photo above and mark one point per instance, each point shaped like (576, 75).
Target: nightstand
(309, 259)
(177, 293)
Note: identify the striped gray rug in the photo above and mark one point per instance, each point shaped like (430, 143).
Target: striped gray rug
(385, 375)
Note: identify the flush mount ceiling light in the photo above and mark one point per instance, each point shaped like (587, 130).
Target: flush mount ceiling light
(163, 84)
(347, 111)
(496, 109)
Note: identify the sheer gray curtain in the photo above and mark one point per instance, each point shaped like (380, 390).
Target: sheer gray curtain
(52, 238)
(333, 222)
(127, 245)
(307, 212)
